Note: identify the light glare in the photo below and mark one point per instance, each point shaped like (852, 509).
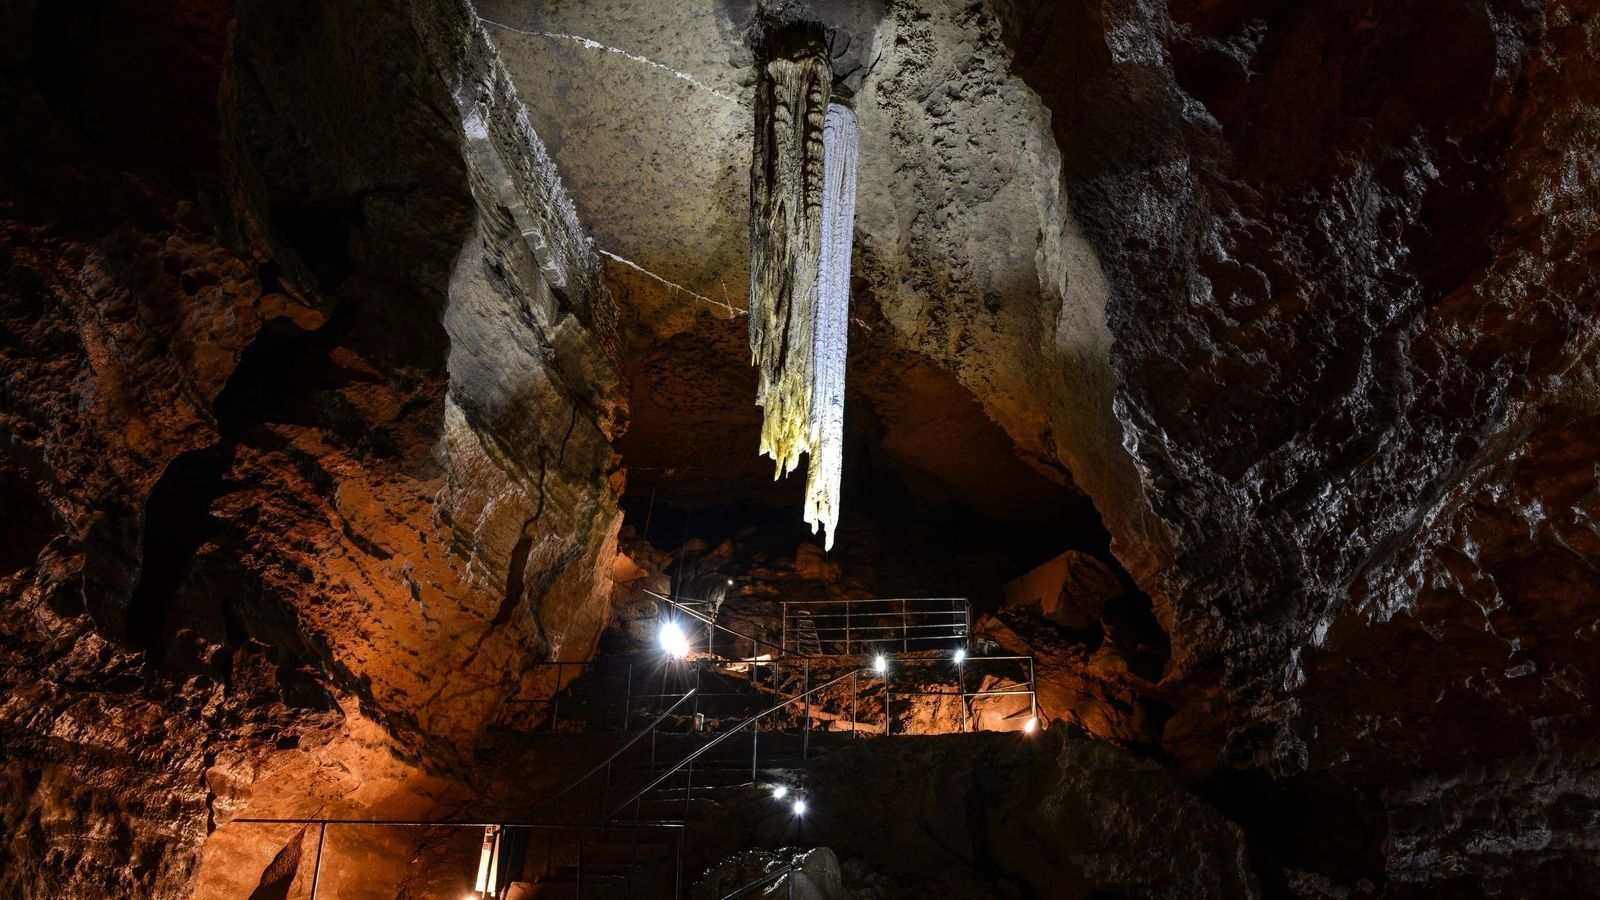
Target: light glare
(799, 807)
(961, 655)
(780, 792)
(673, 640)
(1030, 725)
(880, 664)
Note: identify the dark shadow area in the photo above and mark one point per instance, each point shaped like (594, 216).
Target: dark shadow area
(1310, 822)
(27, 525)
(177, 520)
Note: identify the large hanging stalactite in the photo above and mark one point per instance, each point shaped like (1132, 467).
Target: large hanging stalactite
(786, 236)
(826, 468)
(802, 212)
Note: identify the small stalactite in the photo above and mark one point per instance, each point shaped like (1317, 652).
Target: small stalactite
(802, 212)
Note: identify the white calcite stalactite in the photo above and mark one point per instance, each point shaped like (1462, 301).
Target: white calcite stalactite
(802, 213)
(841, 137)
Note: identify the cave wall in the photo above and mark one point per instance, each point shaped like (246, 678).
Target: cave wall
(1351, 253)
(310, 379)
(1301, 296)
(309, 388)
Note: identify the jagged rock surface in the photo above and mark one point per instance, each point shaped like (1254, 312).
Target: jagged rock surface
(308, 410)
(307, 450)
(1301, 297)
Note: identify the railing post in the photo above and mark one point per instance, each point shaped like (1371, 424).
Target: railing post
(688, 790)
(755, 737)
(555, 702)
(316, 867)
(677, 869)
(888, 698)
(783, 630)
(905, 639)
(627, 700)
(847, 605)
(805, 739)
(854, 692)
(961, 692)
(1033, 692)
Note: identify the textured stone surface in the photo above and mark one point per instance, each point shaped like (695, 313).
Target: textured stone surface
(1325, 274)
(310, 441)
(957, 238)
(308, 386)
(1003, 815)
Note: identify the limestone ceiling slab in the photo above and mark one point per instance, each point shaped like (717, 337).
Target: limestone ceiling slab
(645, 107)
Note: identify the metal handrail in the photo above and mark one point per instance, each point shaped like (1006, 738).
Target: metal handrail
(715, 624)
(620, 750)
(879, 620)
(787, 869)
(687, 760)
(866, 600)
(584, 827)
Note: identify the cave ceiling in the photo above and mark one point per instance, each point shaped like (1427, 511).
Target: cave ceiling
(645, 109)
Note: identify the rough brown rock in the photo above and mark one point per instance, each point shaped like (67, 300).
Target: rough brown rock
(309, 387)
(312, 441)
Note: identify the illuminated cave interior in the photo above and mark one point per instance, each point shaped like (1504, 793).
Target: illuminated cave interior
(1192, 411)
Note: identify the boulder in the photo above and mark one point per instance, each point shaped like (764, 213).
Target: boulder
(1071, 590)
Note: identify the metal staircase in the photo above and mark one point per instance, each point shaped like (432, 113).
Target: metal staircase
(717, 728)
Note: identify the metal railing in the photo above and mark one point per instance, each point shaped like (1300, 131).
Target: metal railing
(846, 627)
(686, 765)
(633, 703)
(1019, 687)
(552, 803)
(486, 866)
(687, 608)
(964, 671)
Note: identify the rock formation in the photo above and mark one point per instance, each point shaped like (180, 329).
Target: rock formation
(337, 338)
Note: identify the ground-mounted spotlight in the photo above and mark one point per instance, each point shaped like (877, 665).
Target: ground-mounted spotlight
(799, 807)
(880, 664)
(1031, 725)
(779, 792)
(673, 640)
(961, 655)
